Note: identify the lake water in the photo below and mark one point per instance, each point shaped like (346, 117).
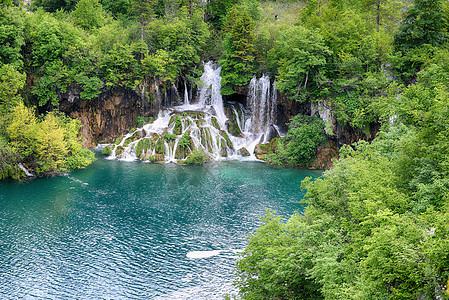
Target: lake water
(120, 230)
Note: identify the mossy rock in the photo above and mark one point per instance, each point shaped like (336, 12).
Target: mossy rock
(215, 123)
(226, 137)
(151, 158)
(118, 140)
(137, 135)
(127, 142)
(119, 151)
(198, 157)
(182, 153)
(233, 126)
(223, 152)
(266, 149)
(160, 147)
(169, 137)
(193, 114)
(178, 126)
(159, 157)
(107, 150)
(244, 152)
(200, 122)
(142, 146)
(172, 119)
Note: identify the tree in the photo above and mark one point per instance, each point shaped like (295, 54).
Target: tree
(424, 23)
(11, 83)
(11, 36)
(300, 55)
(216, 11)
(55, 5)
(238, 59)
(48, 145)
(89, 14)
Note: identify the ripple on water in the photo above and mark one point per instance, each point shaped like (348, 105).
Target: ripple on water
(135, 231)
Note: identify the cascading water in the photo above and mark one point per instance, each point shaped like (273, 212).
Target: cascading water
(180, 130)
(262, 105)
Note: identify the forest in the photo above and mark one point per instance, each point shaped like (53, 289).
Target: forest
(375, 226)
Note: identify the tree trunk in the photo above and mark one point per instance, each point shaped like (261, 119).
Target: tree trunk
(378, 15)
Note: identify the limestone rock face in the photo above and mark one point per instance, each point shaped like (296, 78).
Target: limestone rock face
(104, 118)
(325, 156)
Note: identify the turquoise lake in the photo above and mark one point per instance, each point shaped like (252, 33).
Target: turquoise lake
(133, 230)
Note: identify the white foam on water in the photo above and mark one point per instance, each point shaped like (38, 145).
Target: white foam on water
(203, 254)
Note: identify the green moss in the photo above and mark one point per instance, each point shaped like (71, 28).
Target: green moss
(160, 147)
(184, 146)
(107, 150)
(215, 123)
(198, 157)
(119, 150)
(169, 137)
(233, 126)
(127, 141)
(118, 140)
(226, 137)
(142, 146)
(178, 126)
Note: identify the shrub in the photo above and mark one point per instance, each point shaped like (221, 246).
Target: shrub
(198, 157)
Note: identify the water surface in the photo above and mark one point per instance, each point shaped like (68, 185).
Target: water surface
(120, 230)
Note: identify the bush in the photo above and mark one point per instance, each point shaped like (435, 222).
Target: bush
(198, 157)
(304, 135)
(9, 160)
(273, 159)
(107, 150)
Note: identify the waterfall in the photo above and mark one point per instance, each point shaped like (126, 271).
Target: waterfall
(27, 173)
(262, 103)
(210, 91)
(179, 130)
(186, 94)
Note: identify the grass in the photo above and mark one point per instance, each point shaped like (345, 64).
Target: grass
(287, 12)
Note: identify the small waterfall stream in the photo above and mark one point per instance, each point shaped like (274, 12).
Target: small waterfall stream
(180, 130)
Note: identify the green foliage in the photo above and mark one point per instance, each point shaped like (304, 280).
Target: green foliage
(217, 10)
(9, 160)
(12, 23)
(142, 146)
(298, 148)
(423, 30)
(375, 226)
(178, 126)
(198, 157)
(91, 86)
(424, 23)
(273, 159)
(301, 55)
(238, 59)
(107, 150)
(48, 145)
(88, 14)
(11, 82)
(169, 137)
(55, 5)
